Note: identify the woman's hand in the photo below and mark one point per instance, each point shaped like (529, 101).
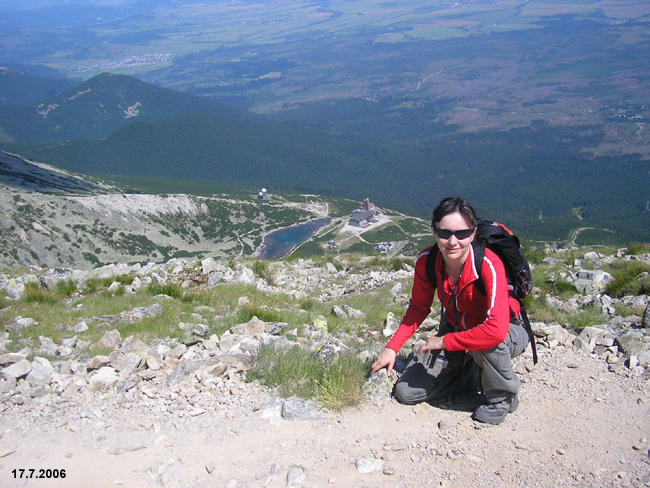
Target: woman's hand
(433, 343)
(385, 359)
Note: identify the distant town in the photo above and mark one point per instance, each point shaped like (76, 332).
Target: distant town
(128, 62)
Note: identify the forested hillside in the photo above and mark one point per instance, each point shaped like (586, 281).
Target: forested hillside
(550, 190)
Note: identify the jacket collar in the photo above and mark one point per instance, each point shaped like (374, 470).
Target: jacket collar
(469, 274)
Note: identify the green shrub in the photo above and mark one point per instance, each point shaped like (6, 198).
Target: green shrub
(171, 290)
(637, 248)
(563, 288)
(125, 279)
(539, 311)
(66, 287)
(247, 312)
(535, 256)
(35, 293)
(261, 269)
(308, 304)
(92, 285)
(626, 279)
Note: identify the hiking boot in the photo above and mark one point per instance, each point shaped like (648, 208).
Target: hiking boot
(495, 413)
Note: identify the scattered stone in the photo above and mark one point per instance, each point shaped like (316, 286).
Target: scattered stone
(17, 370)
(41, 372)
(20, 323)
(320, 322)
(254, 328)
(295, 476)
(138, 313)
(368, 465)
(103, 379)
(390, 325)
(329, 351)
(353, 312)
(645, 321)
(339, 312)
(299, 409)
(378, 386)
(110, 341)
(11, 358)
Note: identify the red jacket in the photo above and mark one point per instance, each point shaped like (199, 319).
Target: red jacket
(482, 319)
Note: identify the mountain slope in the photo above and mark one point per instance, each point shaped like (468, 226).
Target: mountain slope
(27, 84)
(96, 108)
(22, 174)
(532, 178)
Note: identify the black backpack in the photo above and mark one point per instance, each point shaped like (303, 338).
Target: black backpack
(505, 244)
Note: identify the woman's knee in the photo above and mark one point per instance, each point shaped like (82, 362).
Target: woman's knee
(407, 394)
(414, 386)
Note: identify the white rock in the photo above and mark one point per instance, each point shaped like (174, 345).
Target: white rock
(17, 370)
(368, 465)
(41, 372)
(103, 379)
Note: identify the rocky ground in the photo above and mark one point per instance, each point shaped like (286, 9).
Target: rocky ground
(578, 424)
(179, 414)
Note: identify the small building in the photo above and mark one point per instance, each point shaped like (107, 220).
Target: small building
(367, 205)
(362, 218)
(263, 195)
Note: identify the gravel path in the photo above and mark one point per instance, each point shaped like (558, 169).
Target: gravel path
(578, 424)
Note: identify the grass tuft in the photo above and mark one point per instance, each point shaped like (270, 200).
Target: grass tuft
(66, 288)
(627, 281)
(295, 372)
(35, 293)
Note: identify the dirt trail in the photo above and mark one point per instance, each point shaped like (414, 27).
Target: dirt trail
(578, 424)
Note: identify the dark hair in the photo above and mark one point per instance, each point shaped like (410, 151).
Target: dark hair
(454, 204)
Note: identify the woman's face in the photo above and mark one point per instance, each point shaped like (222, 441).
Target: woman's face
(454, 247)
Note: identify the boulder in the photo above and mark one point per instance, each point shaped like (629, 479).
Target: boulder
(209, 265)
(41, 372)
(633, 343)
(590, 337)
(11, 358)
(592, 281)
(110, 341)
(20, 323)
(125, 363)
(299, 409)
(17, 370)
(378, 386)
(328, 352)
(244, 275)
(339, 312)
(320, 322)
(353, 312)
(254, 328)
(103, 379)
(138, 313)
(390, 325)
(215, 278)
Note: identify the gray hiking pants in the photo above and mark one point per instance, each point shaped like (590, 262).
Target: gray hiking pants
(497, 377)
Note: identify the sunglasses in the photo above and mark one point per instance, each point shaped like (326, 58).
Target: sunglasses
(460, 234)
